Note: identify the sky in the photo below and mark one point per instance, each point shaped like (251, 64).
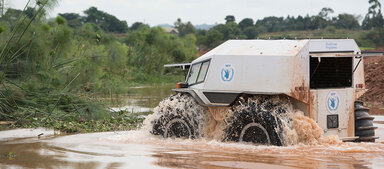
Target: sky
(155, 12)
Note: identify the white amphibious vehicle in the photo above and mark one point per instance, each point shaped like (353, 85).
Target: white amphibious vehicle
(323, 78)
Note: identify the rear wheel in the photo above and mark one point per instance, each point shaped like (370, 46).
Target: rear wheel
(178, 116)
(257, 120)
(256, 133)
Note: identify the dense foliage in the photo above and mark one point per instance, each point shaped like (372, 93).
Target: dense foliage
(51, 68)
(247, 28)
(105, 21)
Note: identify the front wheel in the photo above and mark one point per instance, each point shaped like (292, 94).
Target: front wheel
(180, 128)
(178, 116)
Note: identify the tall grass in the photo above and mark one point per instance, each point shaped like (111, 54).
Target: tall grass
(33, 82)
(49, 72)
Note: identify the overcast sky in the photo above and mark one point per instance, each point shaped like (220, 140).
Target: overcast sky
(154, 12)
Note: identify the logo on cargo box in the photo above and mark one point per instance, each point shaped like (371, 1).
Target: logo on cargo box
(333, 101)
(227, 73)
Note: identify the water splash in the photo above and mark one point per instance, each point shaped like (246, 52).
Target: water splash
(177, 106)
(296, 128)
(306, 131)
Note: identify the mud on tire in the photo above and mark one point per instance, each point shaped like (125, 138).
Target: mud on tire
(178, 116)
(257, 119)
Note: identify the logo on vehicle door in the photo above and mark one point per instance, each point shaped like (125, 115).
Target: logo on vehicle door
(333, 101)
(227, 73)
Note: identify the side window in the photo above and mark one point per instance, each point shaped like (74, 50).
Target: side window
(198, 72)
(203, 71)
(193, 73)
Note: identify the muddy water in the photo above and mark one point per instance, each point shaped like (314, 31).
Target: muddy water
(140, 99)
(40, 148)
(138, 149)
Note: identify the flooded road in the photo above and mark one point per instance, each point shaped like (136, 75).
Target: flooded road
(138, 149)
(40, 148)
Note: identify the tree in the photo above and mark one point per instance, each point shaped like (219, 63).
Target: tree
(138, 25)
(178, 23)
(60, 20)
(318, 22)
(184, 28)
(106, 21)
(230, 18)
(346, 21)
(246, 22)
(74, 20)
(214, 38)
(229, 30)
(324, 13)
(188, 29)
(272, 23)
(322, 20)
(374, 17)
(250, 32)
(30, 12)
(299, 23)
(11, 15)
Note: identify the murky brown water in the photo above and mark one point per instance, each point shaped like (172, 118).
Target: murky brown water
(23, 148)
(140, 99)
(138, 149)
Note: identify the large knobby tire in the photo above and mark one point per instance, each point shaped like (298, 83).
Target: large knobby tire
(364, 128)
(257, 120)
(178, 116)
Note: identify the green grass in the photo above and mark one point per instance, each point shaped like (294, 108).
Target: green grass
(115, 121)
(367, 48)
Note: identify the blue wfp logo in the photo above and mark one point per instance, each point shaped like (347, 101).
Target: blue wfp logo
(333, 101)
(227, 73)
